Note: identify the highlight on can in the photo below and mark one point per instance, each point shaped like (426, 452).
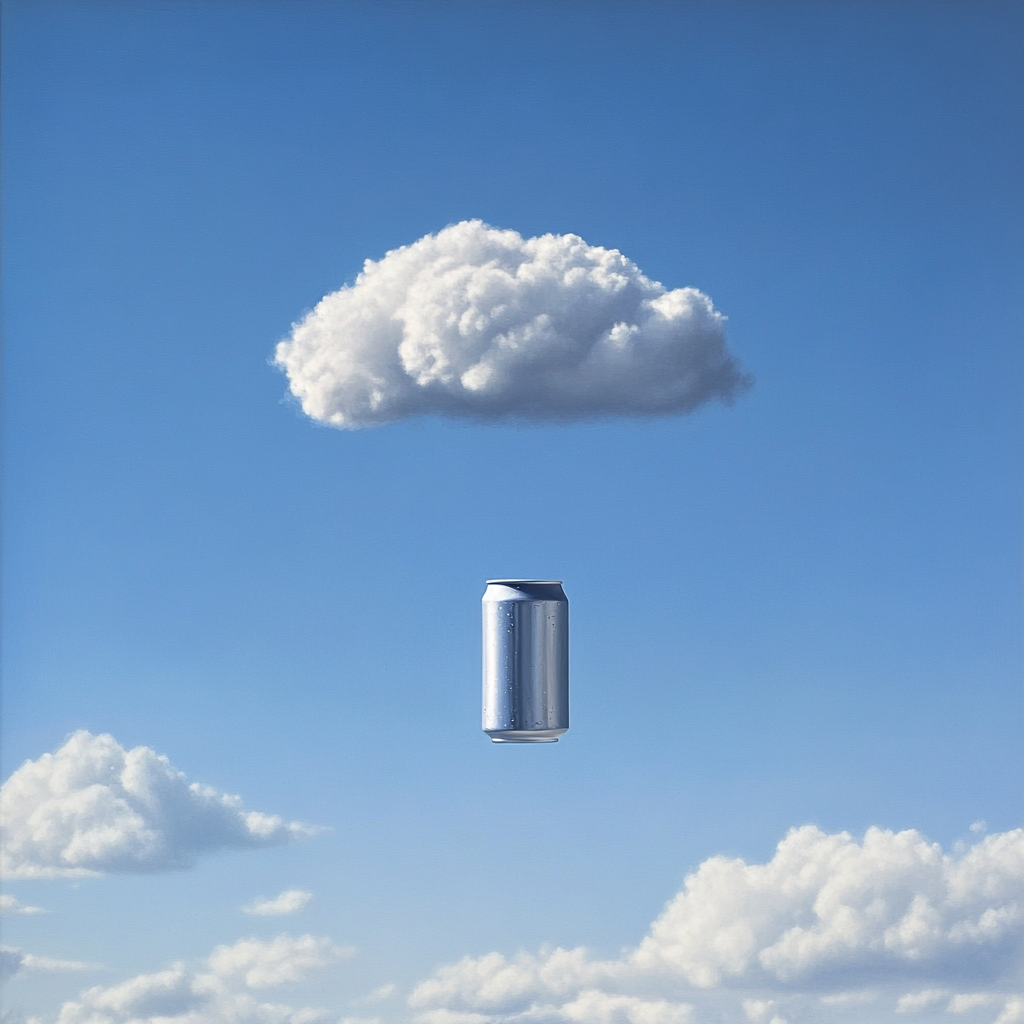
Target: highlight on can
(525, 661)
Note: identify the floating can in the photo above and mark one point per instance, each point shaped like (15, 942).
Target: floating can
(526, 661)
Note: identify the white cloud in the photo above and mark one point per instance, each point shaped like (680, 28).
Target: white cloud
(443, 1016)
(1013, 1011)
(9, 905)
(479, 322)
(591, 1006)
(914, 1001)
(93, 807)
(595, 1007)
(262, 964)
(824, 923)
(218, 995)
(492, 982)
(757, 1009)
(377, 995)
(11, 1015)
(288, 902)
(826, 902)
(16, 961)
(852, 998)
(967, 1001)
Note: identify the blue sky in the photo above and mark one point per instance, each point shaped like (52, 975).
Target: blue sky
(800, 609)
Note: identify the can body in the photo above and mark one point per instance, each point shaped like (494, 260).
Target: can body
(526, 661)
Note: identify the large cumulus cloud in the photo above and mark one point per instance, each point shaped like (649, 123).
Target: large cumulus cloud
(826, 903)
(480, 322)
(829, 926)
(93, 807)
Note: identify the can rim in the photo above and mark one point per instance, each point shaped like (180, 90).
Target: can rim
(558, 582)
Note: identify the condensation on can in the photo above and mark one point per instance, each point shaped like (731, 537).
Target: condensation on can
(525, 661)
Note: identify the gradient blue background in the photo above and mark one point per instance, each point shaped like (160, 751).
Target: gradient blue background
(804, 608)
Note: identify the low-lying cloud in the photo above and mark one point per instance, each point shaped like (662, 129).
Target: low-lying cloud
(887, 929)
(220, 991)
(482, 323)
(93, 807)
(829, 923)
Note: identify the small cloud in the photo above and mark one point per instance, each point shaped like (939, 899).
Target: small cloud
(912, 1002)
(483, 323)
(443, 1016)
(11, 1015)
(288, 902)
(221, 993)
(757, 1010)
(1012, 1012)
(596, 1007)
(17, 961)
(262, 964)
(854, 998)
(968, 1001)
(93, 807)
(376, 996)
(979, 826)
(9, 905)
(31, 962)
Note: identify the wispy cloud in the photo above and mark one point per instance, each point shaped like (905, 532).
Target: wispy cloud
(1012, 1012)
(10, 905)
(912, 1002)
(479, 322)
(964, 1002)
(93, 807)
(377, 995)
(218, 993)
(16, 961)
(288, 902)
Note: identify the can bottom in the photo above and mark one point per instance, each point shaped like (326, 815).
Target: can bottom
(526, 735)
(503, 739)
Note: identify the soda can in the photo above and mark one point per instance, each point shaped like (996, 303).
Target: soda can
(526, 661)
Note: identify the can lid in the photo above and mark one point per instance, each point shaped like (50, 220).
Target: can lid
(513, 582)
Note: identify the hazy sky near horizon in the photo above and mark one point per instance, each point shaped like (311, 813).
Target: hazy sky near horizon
(778, 467)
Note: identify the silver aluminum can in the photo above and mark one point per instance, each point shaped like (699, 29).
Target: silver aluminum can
(526, 661)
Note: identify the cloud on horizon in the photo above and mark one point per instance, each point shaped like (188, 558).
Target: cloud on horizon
(93, 807)
(884, 930)
(479, 322)
(221, 991)
(891, 923)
